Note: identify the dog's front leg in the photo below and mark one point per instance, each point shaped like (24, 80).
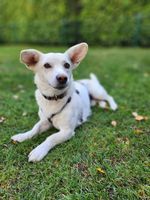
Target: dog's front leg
(38, 128)
(40, 151)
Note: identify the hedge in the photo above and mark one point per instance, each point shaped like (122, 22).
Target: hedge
(59, 22)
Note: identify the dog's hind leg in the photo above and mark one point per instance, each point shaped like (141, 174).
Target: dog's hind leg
(41, 151)
(111, 102)
(98, 93)
(38, 128)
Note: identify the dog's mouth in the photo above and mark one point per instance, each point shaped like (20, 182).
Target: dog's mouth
(60, 86)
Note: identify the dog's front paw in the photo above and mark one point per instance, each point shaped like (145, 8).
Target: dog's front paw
(18, 138)
(114, 106)
(38, 153)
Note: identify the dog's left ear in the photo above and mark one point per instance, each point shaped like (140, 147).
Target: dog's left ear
(77, 53)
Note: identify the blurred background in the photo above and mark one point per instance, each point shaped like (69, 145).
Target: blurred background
(66, 22)
(103, 161)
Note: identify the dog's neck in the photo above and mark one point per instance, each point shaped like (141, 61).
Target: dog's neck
(49, 91)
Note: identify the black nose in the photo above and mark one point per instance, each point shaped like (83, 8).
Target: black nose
(61, 79)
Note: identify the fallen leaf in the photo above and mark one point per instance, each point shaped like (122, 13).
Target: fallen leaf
(15, 97)
(134, 114)
(114, 123)
(147, 164)
(141, 193)
(2, 119)
(139, 117)
(14, 142)
(123, 140)
(138, 131)
(100, 170)
(24, 113)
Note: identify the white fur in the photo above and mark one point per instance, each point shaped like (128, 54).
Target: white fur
(78, 108)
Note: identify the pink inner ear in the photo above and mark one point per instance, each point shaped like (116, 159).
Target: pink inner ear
(29, 58)
(75, 58)
(77, 55)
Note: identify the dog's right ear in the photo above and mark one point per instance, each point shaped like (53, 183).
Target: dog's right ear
(30, 57)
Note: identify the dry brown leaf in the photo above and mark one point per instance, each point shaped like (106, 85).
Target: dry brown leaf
(139, 117)
(114, 123)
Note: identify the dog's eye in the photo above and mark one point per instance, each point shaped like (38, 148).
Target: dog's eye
(47, 65)
(67, 65)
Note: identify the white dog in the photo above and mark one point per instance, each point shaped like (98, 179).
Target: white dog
(63, 103)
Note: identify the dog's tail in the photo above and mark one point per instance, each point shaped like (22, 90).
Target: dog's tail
(98, 93)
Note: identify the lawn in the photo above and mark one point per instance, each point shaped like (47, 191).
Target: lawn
(102, 161)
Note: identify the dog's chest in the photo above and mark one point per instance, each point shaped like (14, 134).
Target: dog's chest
(70, 113)
(48, 107)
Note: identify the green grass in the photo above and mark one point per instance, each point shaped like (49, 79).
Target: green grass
(69, 171)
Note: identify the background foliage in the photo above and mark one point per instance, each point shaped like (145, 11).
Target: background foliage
(102, 22)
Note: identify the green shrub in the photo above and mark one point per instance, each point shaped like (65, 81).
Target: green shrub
(115, 22)
(67, 22)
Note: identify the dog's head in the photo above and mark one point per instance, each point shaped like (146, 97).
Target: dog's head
(54, 68)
